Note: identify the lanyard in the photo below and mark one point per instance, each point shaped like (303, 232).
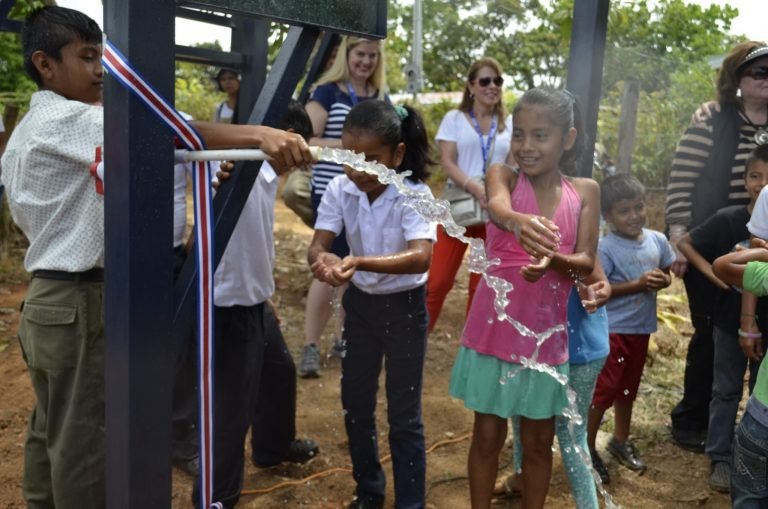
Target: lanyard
(352, 94)
(485, 146)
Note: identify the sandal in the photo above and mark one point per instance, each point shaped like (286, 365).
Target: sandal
(509, 485)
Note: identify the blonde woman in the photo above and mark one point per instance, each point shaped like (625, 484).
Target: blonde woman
(357, 74)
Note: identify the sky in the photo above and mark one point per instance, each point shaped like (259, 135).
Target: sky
(750, 21)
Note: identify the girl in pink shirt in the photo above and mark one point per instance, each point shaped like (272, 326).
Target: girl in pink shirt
(544, 233)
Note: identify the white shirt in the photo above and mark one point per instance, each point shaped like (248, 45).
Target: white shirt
(758, 221)
(223, 113)
(244, 275)
(180, 172)
(379, 228)
(50, 190)
(456, 127)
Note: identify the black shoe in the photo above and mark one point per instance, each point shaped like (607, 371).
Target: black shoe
(600, 468)
(189, 466)
(689, 440)
(367, 503)
(300, 451)
(627, 455)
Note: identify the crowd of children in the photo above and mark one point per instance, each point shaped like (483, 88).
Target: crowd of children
(553, 336)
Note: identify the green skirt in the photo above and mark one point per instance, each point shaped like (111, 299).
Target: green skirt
(489, 385)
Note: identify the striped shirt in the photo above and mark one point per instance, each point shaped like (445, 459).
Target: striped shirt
(691, 158)
(338, 104)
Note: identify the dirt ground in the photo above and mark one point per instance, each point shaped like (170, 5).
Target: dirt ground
(674, 479)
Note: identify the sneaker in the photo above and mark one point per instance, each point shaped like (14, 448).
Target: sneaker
(626, 454)
(720, 477)
(337, 349)
(300, 451)
(309, 365)
(367, 503)
(599, 466)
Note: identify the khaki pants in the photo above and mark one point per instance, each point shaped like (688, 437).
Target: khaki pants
(62, 339)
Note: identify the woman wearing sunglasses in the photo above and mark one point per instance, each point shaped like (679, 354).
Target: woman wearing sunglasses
(470, 138)
(708, 174)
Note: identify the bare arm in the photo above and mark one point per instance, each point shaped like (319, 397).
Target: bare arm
(581, 262)
(286, 149)
(319, 117)
(752, 347)
(412, 260)
(730, 267)
(685, 245)
(537, 235)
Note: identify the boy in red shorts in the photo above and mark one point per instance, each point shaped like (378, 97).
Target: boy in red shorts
(636, 261)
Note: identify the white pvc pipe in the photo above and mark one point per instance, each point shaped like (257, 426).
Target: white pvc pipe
(184, 156)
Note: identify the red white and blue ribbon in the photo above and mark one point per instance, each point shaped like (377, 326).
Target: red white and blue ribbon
(121, 69)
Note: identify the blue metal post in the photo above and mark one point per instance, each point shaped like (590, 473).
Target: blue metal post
(585, 66)
(138, 262)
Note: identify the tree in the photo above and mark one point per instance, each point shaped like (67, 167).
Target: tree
(665, 45)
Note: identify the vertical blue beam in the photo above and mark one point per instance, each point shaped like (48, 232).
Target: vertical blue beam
(138, 262)
(585, 67)
(251, 39)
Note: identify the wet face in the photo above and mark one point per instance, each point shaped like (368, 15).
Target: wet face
(627, 217)
(486, 87)
(229, 82)
(375, 150)
(362, 60)
(537, 142)
(754, 81)
(79, 75)
(755, 178)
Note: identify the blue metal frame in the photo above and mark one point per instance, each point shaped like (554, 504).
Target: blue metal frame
(139, 260)
(585, 67)
(142, 307)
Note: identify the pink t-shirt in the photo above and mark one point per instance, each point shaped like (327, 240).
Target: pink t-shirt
(537, 306)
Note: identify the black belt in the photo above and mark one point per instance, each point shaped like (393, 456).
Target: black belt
(95, 275)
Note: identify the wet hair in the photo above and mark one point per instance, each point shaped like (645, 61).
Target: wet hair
(731, 71)
(467, 100)
(760, 154)
(383, 120)
(565, 112)
(619, 187)
(49, 29)
(296, 118)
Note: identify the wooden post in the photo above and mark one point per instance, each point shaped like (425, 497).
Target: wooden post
(630, 97)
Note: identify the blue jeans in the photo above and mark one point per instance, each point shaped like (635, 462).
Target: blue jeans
(727, 388)
(749, 473)
(392, 328)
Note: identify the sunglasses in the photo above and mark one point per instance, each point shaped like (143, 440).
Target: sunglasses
(484, 82)
(757, 73)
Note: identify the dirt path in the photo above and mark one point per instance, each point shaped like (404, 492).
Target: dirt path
(675, 478)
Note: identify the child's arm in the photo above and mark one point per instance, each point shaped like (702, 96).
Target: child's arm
(412, 260)
(321, 260)
(685, 246)
(537, 235)
(286, 149)
(581, 262)
(730, 267)
(751, 346)
(595, 290)
(651, 281)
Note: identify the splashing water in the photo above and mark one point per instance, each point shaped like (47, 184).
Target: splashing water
(438, 211)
